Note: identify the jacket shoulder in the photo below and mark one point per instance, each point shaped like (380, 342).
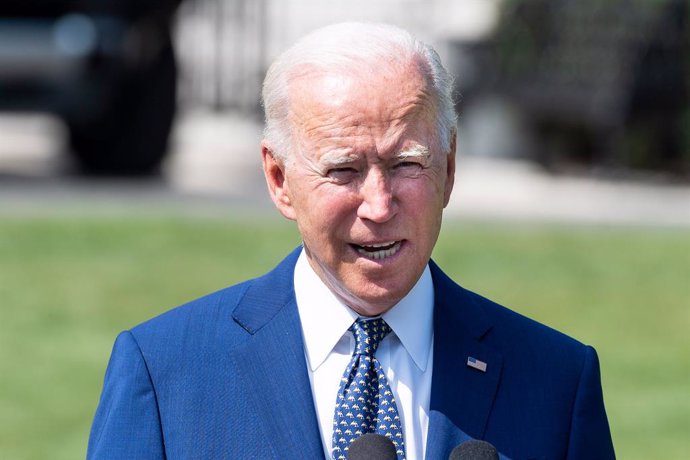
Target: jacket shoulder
(227, 309)
(201, 311)
(513, 324)
(513, 333)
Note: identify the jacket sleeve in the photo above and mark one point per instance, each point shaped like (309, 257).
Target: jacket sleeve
(590, 437)
(127, 423)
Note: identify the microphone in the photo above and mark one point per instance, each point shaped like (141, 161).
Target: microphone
(474, 450)
(372, 446)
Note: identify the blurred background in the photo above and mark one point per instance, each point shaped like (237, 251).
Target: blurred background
(130, 182)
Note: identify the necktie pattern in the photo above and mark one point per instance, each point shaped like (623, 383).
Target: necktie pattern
(365, 402)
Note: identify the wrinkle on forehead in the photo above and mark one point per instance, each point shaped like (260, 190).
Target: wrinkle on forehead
(365, 98)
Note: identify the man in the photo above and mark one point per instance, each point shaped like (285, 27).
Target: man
(356, 331)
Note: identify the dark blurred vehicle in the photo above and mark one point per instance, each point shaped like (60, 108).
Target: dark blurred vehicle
(600, 83)
(105, 67)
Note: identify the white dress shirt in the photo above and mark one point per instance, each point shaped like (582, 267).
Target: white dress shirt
(405, 354)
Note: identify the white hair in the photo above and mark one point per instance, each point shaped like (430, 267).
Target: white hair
(342, 48)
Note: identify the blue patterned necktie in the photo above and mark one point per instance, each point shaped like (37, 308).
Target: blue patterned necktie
(365, 402)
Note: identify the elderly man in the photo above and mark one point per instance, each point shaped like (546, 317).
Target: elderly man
(356, 331)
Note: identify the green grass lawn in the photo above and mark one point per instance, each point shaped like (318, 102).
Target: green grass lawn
(67, 286)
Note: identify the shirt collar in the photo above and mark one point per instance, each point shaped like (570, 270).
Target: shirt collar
(325, 319)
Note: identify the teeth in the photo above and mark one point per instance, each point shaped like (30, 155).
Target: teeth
(392, 248)
(380, 245)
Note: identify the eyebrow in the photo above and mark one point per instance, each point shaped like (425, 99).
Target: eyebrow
(417, 151)
(336, 159)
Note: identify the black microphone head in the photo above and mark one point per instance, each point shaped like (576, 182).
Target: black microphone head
(372, 446)
(474, 450)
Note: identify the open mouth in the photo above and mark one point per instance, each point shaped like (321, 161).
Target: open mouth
(378, 251)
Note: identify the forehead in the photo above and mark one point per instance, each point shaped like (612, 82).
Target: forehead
(374, 101)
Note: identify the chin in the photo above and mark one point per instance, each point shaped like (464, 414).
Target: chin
(376, 302)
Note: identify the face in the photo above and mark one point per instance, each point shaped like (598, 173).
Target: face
(366, 182)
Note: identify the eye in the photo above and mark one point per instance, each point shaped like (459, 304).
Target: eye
(408, 166)
(342, 175)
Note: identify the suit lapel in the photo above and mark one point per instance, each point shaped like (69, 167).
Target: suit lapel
(272, 363)
(461, 396)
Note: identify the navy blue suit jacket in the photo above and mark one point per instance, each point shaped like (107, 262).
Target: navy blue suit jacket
(225, 377)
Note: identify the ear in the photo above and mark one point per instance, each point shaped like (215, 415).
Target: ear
(274, 171)
(450, 169)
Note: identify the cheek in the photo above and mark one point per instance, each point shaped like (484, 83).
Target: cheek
(323, 212)
(422, 194)
(423, 202)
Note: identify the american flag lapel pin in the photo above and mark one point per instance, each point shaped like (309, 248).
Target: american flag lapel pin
(476, 364)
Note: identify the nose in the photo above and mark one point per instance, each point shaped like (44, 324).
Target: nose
(378, 201)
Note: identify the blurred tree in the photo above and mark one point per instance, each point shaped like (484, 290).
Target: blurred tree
(602, 83)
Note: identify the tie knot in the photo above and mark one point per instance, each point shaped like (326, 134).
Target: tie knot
(368, 335)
